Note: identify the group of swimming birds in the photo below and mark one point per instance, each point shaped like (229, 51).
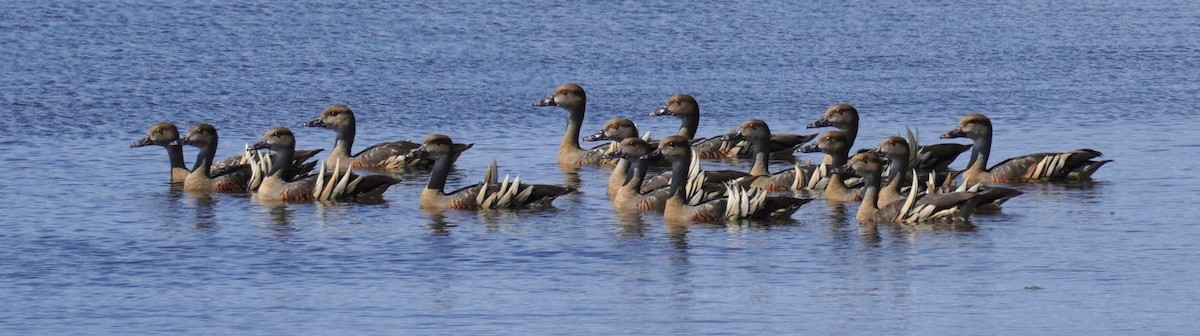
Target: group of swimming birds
(898, 181)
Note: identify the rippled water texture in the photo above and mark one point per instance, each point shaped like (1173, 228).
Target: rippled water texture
(95, 242)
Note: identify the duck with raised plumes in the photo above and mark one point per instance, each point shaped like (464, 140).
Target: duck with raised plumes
(334, 183)
(488, 194)
(1062, 166)
(688, 202)
(916, 208)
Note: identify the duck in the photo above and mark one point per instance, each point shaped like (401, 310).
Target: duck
(629, 195)
(202, 178)
(337, 186)
(895, 150)
(687, 202)
(1077, 165)
(615, 130)
(685, 107)
(935, 157)
(573, 99)
(928, 207)
(383, 156)
(488, 194)
(166, 133)
(835, 145)
(758, 134)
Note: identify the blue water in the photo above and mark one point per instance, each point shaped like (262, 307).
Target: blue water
(94, 241)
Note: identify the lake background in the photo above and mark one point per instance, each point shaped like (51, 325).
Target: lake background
(94, 241)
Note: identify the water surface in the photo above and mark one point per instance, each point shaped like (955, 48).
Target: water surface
(96, 242)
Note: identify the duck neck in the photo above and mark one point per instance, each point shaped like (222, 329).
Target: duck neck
(175, 152)
(851, 132)
(980, 152)
(839, 158)
(688, 125)
(760, 157)
(620, 173)
(896, 171)
(204, 159)
(868, 207)
(679, 177)
(437, 177)
(570, 140)
(637, 175)
(283, 158)
(345, 139)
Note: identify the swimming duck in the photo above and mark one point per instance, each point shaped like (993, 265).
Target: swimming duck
(571, 97)
(629, 194)
(234, 178)
(835, 145)
(615, 130)
(337, 186)
(384, 156)
(686, 108)
(758, 134)
(488, 194)
(1071, 166)
(687, 202)
(954, 206)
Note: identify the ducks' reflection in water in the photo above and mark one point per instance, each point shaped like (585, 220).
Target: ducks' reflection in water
(571, 179)
(438, 226)
(206, 216)
(677, 236)
(281, 221)
(631, 224)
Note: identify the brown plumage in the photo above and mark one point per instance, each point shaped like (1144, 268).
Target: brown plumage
(340, 185)
(1071, 166)
(488, 194)
(686, 108)
(383, 156)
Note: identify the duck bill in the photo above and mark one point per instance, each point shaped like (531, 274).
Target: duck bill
(416, 154)
(956, 133)
(664, 111)
(820, 123)
(655, 155)
(261, 144)
(315, 123)
(548, 101)
(598, 136)
(847, 169)
(738, 136)
(142, 143)
(618, 154)
(811, 148)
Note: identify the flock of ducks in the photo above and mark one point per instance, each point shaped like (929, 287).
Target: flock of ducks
(897, 181)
